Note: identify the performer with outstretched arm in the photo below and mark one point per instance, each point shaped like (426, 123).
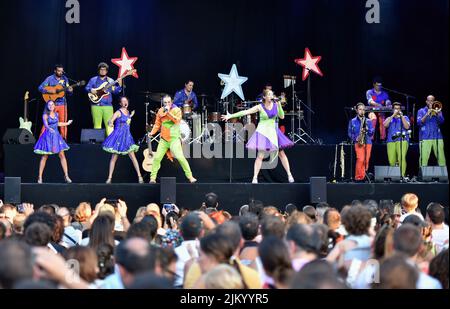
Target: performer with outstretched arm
(120, 141)
(51, 142)
(267, 137)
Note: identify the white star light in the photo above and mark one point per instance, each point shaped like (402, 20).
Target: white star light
(232, 82)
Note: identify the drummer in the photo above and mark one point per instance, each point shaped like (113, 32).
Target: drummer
(186, 98)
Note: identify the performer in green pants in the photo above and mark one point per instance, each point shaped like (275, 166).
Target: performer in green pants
(168, 121)
(398, 137)
(429, 120)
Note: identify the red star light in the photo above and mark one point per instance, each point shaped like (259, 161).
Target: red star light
(125, 63)
(309, 63)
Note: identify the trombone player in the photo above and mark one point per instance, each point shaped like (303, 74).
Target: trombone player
(430, 119)
(360, 131)
(397, 126)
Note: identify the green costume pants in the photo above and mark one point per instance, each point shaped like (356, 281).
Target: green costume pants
(397, 154)
(177, 151)
(100, 113)
(437, 145)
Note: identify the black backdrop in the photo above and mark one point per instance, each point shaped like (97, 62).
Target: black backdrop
(179, 40)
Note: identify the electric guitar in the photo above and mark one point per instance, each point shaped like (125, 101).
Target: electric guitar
(59, 91)
(24, 123)
(149, 156)
(97, 94)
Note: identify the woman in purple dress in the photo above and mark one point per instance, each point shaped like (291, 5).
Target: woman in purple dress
(51, 142)
(120, 141)
(267, 138)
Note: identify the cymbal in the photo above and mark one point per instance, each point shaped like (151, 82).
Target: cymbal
(154, 96)
(203, 95)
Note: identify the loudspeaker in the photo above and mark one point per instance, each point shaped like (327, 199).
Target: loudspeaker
(18, 136)
(92, 136)
(12, 190)
(387, 173)
(433, 173)
(168, 188)
(318, 189)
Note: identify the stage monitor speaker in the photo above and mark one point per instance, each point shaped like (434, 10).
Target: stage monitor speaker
(387, 174)
(318, 189)
(18, 136)
(168, 193)
(92, 136)
(433, 173)
(12, 190)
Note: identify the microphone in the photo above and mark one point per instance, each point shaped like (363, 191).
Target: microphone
(402, 134)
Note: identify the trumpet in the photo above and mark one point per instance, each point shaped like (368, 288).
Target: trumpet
(436, 107)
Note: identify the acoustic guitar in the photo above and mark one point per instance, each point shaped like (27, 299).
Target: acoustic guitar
(149, 156)
(24, 123)
(97, 94)
(59, 91)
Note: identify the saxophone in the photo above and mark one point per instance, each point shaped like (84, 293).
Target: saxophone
(362, 133)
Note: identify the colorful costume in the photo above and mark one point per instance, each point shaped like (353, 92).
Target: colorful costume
(50, 142)
(103, 110)
(120, 140)
(430, 137)
(397, 147)
(362, 151)
(60, 103)
(181, 96)
(267, 136)
(170, 142)
(381, 98)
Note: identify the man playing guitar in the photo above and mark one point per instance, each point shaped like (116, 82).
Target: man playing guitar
(58, 78)
(103, 110)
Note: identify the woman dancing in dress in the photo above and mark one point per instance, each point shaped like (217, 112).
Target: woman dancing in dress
(51, 142)
(267, 137)
(120, 141)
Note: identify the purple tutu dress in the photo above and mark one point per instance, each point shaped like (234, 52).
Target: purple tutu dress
(268, 136)
(50, 142)
(120, 140)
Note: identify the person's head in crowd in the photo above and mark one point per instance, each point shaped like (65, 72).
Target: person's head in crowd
(249, 225)
(297, 217)
(317, 274)
(356, 203)
(83, 212)
(171, 220)
(163, 262)
(153, 209)
(64, 212)
(211, 200)
(372, 205)
(410, 202)
(132, 256)
(191, 227)
(311, 212)
(271, 211)
(424, 227)
(383, 245)
(256, 207)
(357, 220)
(41, 217)
(144, 230)
(243, 210)
(150, 281)
(87, 261)
(51, 209)
(275, 259)
(439, 268)
(16, 263)
(324, 246)
(332, 219)
(105, 257)
(289, 209)
(140, 213)
(58, 232)
(435, 214)
(408, 240)
(397, 273)
(153, 222)
(397, 214)
(215, 249)
(227, 215)
(102, 230)
(38, 234)
(386, 206)
(225, 277)
(9, 211)
(272, 225)
(320, 211)
(7, 226)
(304, 243)
(232, 231)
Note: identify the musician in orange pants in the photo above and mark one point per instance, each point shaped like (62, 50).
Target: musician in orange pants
(58, 78)
(360, 131)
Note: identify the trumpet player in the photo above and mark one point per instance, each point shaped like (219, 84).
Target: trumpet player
(397, 127)
(360, 131)
(430, 119)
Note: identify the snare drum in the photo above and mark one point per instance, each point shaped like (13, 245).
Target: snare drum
(187, 110)
(214, 117)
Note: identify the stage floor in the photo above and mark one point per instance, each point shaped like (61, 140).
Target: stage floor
(231, 196)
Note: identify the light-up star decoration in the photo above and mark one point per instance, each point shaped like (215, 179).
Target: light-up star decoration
(232, 82)
(309, 63)
(125, 63)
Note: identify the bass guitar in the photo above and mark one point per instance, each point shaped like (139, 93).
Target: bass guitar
(97, 94)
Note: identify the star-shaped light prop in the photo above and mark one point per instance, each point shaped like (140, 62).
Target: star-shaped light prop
(125, 63)
(233, 83)
(309, 63)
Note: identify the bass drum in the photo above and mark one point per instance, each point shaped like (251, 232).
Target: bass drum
(185, 131)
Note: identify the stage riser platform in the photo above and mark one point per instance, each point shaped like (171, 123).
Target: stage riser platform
(231, 196)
